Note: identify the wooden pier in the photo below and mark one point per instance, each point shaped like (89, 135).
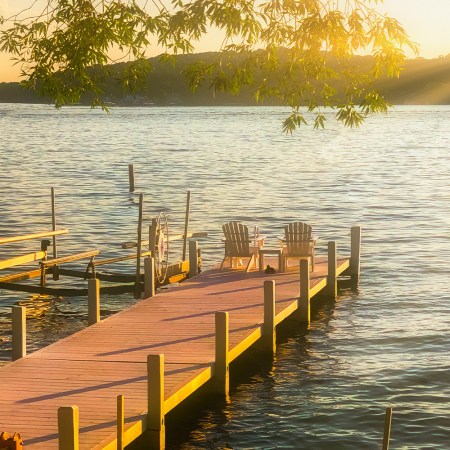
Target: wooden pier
(115, 380)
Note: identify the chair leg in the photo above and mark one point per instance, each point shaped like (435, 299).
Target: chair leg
(223, 262)
(312, 262)
(250, 263)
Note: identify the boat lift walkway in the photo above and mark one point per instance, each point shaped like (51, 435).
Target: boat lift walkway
(104, 386)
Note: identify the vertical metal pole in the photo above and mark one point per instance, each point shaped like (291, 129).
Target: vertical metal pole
(120, 422)
(387, 428)
(55, 250)
(269, 333)
(68, 428)
(221, 367)
(93, 301)
(139, 245)
(193, 259)
(186, 224)
(131, 176)
(19, 332)
(149, 277)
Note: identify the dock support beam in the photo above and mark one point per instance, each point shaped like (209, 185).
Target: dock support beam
(355, 254)
(68, 423)
(19, 332)
(269, 333)
(221, 378)
(120, 422)
(193, 259)
(304, 307)
(93, 301)
(331, 289)
(149, 277)
(156, 429)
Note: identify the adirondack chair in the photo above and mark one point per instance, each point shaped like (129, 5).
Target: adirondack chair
(298, 243)
(239, 245)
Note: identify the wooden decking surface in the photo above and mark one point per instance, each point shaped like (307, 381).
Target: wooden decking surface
(90, 368)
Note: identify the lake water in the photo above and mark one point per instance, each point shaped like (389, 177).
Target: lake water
(386, 344)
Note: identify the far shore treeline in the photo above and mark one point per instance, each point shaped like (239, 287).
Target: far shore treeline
(422, 82)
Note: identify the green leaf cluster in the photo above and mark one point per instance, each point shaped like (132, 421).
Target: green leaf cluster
(296, 51)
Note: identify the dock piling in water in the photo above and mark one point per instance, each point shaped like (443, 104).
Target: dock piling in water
(387, 428)
(355, 254)
(304, 307)
(193, 259)
(221, 367)
(269, 332)
(68, 427)
(331, 289)
(155, 402)
(131, 176)
(149, 277)
(19, 332)
(93, 301)
(120, 422)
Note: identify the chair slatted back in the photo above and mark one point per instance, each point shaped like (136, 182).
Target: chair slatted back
(237, 242)
(298, 239)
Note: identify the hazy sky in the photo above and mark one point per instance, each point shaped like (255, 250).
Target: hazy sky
(427, 22)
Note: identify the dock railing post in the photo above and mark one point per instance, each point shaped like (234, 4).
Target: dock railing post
(304, 313)
(131, 176)
(120, 422)
(156, 429)
(149, 277)
(193, 259)
(332, 270)
(93, 301)
(19, 332)
(355, 254)
(269, 333)
(68, 428)
(221, 367)
(387, 428)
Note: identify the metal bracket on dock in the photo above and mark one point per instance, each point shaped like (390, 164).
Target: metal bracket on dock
(8, 442)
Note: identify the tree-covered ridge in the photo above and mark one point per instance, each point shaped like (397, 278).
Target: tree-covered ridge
(423, 81)
(65, 51)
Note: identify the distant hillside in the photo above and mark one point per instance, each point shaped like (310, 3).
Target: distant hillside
(423, 81)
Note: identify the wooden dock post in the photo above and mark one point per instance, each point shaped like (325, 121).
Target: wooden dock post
(186, 224)
(304, 313)
(149, 277)
(19, 332)
(269, 333)
(131, 176)
(193, 259)
(120, 422)
(93, 301)
(55, 250)
(221, 380)
(68, 424)
(355, 254)
(387, 428)
(137, 286)
(156, 429)
(331, 289)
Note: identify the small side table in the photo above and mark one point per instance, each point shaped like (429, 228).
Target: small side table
(273, 252)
